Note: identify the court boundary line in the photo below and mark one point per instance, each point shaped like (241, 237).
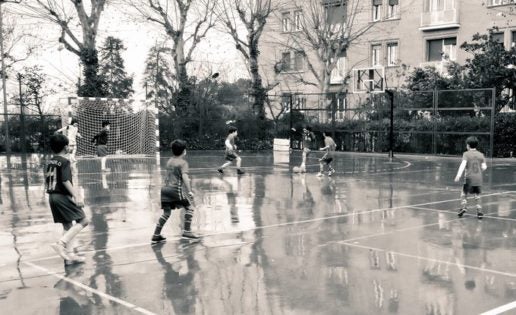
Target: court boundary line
(507, 274)
(486, 216)
(501, 309)
(104, 295)
(263, 227)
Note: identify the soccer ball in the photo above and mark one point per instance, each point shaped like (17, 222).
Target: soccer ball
(296, 169)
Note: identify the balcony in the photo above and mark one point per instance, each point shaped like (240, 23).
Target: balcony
(435, 20)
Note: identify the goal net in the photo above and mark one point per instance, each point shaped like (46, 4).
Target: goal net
(133, 125)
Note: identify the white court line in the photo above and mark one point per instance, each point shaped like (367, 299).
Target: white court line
(506, 274)
(501, 309)
(472, 214)
(92, 290)
(293, 223)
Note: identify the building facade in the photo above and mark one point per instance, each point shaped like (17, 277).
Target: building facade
(399, 35)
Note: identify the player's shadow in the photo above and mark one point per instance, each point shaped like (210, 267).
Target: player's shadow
(178, 280)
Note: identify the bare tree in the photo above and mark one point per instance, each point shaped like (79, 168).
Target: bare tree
(14, 38)
(82, 41)
(324, 33)
(245, 20)
(186, 23)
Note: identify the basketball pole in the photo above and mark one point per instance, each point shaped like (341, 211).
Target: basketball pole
(391, 129)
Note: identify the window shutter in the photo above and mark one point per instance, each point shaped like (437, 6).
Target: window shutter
(393, 2)
(377, 2)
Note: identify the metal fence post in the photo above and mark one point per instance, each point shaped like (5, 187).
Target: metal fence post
(435, 102)
(290, 118)
(493, 112)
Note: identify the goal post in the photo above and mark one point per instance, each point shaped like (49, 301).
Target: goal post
(134, 125)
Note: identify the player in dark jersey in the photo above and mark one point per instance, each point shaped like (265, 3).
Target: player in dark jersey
(474, 163)
(307, 140)
(101, 140)
(176, 193)
(65, 202)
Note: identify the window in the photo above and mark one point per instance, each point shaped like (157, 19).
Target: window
(340, 114)
(513, 39)
(298, 15)
(502, 2)
(377, 10)
(339, 72)
(299, 102)
(285, 21)
(393, 9)
(376, 55)
(443, 49)
(434, 5)
(335, 12)
(285, 61)
(285, 101)
(498, 37)
(299, 58)
(392, 54)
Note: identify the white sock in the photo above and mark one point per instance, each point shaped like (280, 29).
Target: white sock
(70, 234)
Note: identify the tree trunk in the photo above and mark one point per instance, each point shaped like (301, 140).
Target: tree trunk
(258, 92)
(183, 99)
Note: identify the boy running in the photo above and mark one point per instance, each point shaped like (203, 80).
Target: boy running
(231, 154)
(71, 132)
(64, 200)
(329, 147)
(101, 140)
(474, 163)
(177, 192)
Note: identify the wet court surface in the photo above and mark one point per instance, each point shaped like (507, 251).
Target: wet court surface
(375, 238)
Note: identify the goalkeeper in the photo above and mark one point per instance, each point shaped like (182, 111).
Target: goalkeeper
(101, 140)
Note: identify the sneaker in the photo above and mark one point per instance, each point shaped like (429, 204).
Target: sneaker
(74, 260)
(302, 169)
(60, 249)
(320, 174)
(461, 213)
(480, 215)
(190, 235)
(221, 171)
(240, 172)
(157, 239)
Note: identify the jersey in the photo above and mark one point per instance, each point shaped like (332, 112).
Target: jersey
(101, 138)
(474, 160)
(71, 133)
(308, 139)
(330, 146)
(57, 172)
(231, 140)
(176, 167)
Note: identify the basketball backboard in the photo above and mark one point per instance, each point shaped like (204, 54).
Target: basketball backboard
(369, 80)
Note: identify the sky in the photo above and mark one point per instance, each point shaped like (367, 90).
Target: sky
(216, 53)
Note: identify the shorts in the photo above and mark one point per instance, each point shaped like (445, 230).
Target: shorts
(102, 150)
(64, 210)
(326, 159)
(230, 156)
(170, 198)
(468, 189)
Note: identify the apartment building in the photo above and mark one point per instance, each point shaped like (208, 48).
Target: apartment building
(416, 33)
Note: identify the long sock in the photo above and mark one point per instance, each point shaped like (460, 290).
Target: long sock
(463, 201)
(188, 218)
(102, 163)
(477, 201)
(239, 163)
(70, 234)
(161, 222)
(225, 165)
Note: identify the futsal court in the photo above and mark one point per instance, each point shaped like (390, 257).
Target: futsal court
(375, 238)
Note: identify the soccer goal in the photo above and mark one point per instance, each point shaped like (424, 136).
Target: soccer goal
(134, 127)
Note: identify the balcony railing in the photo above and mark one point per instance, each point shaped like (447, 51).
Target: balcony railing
(433, 20)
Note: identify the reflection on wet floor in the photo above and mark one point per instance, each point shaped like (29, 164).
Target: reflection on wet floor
(376, 238)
